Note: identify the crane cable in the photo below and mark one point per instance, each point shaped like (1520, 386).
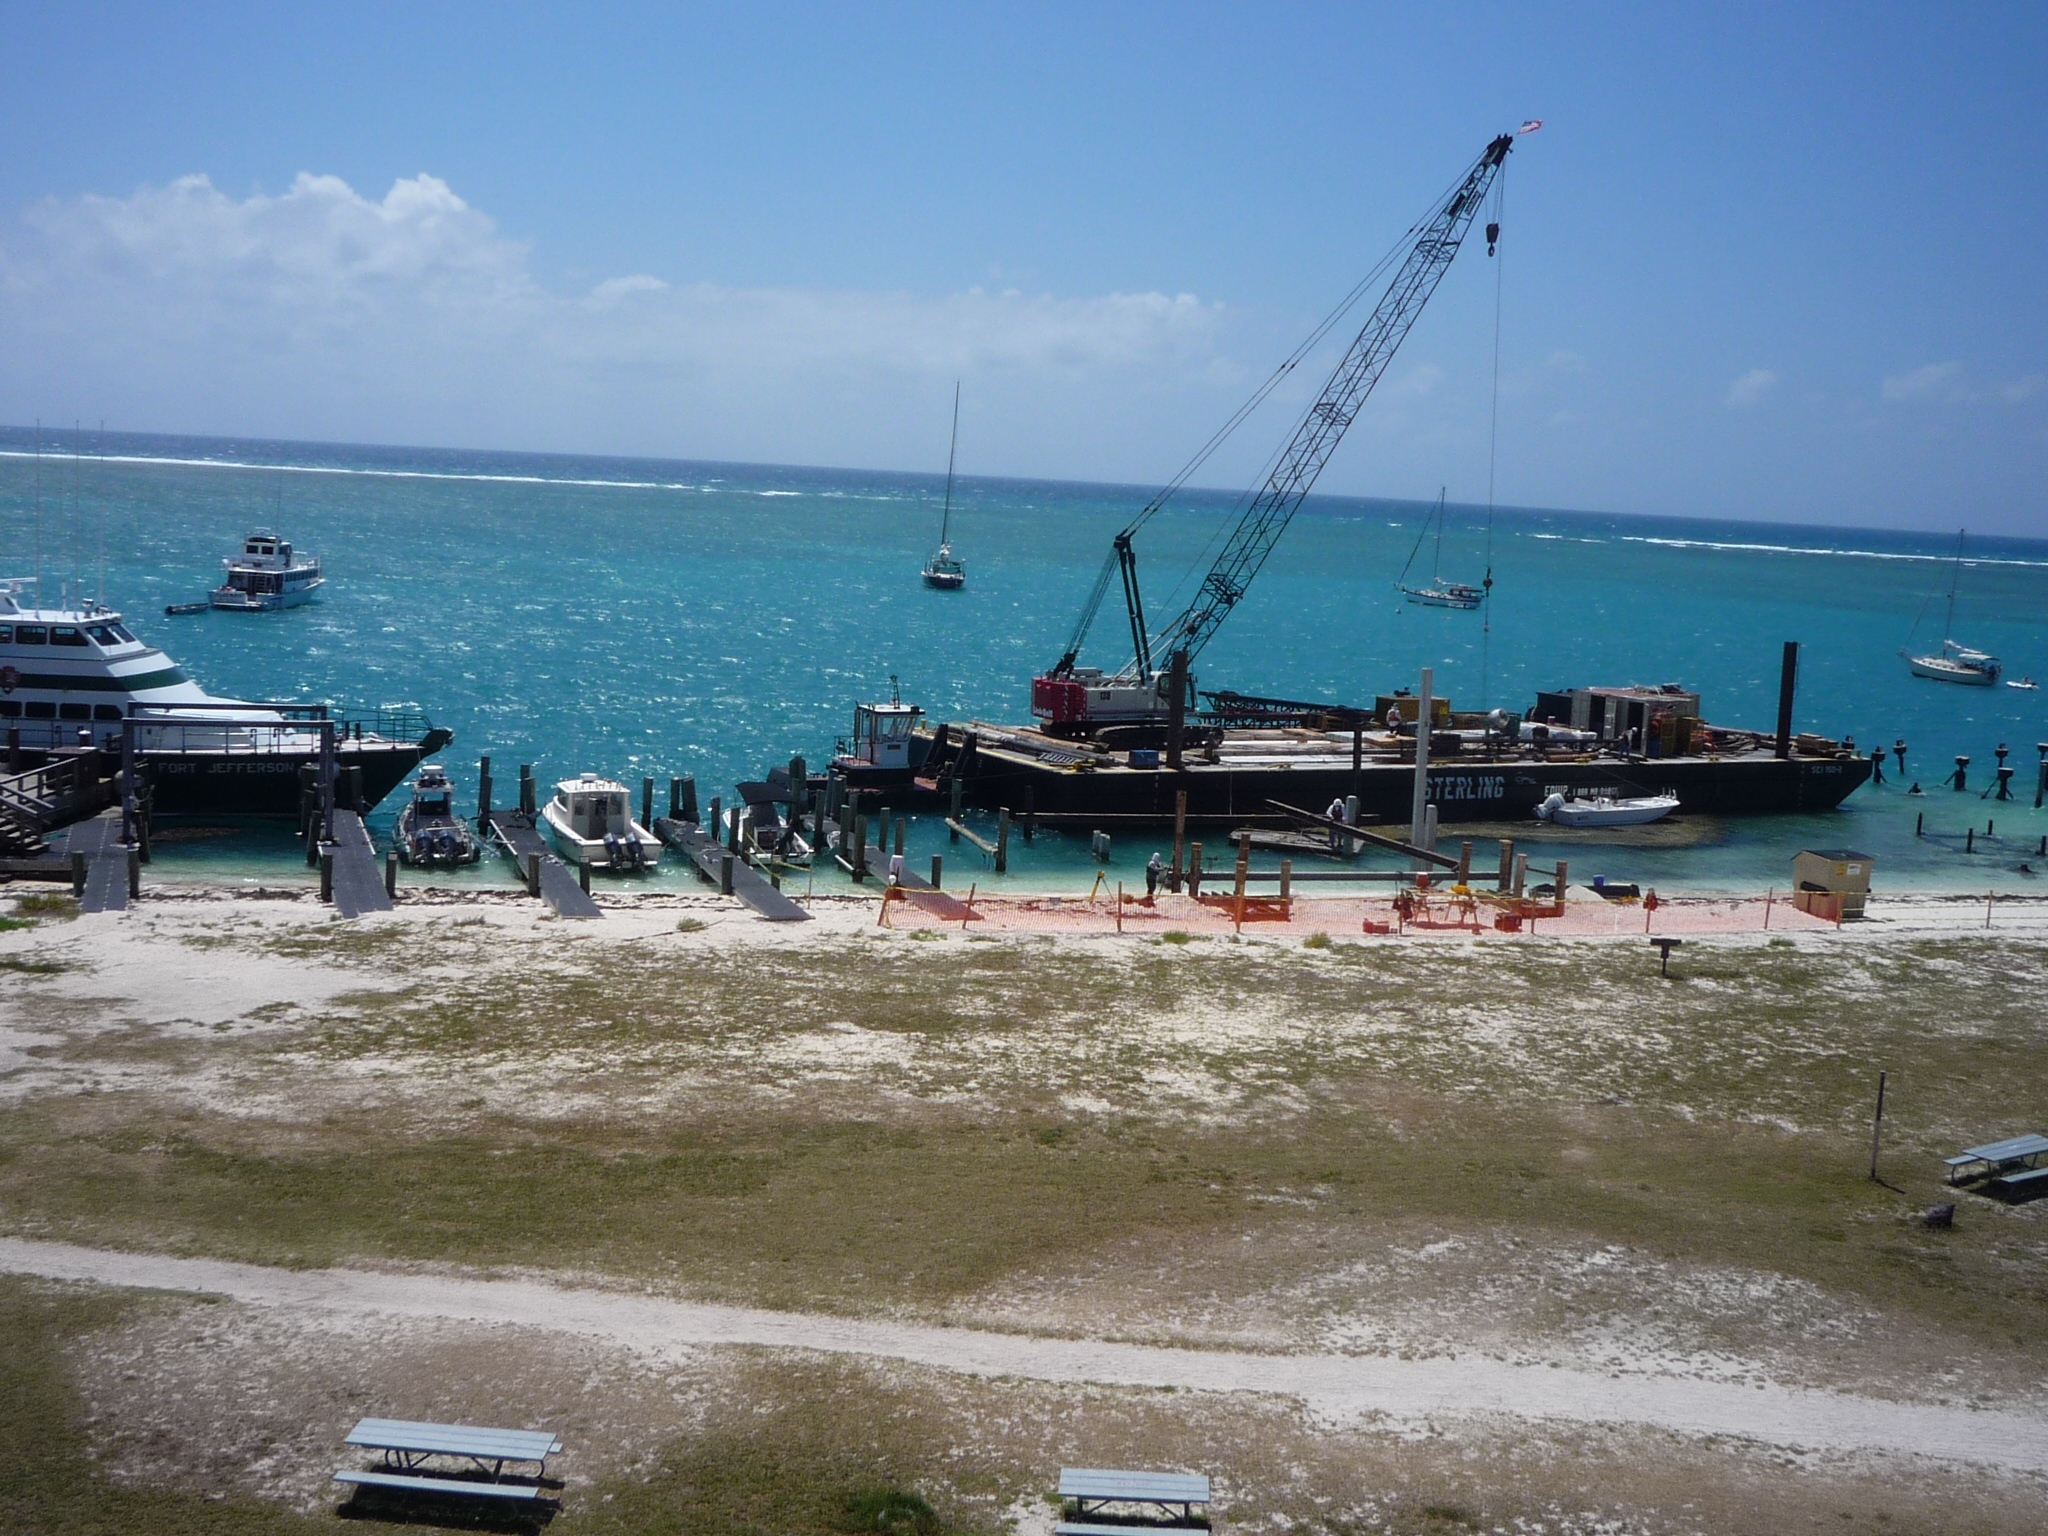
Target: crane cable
(1500, 193)
(1237, 419)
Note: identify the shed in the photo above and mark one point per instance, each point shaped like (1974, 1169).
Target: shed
(1831, 882)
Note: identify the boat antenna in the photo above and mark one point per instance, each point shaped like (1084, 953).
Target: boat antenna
(39, 512)
(100, 501)
(1500, 197)
(946, 519)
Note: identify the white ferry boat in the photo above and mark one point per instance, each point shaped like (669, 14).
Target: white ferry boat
(266, 575)
(592, 822)
(75, 676)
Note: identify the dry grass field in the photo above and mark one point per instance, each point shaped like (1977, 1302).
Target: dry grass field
(1542, 1155)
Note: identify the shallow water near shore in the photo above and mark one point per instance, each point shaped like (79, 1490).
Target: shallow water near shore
(651, 617)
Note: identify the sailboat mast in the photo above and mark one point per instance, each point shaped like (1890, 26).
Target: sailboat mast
(946, 521)
(1948, 623)
(1436, 564)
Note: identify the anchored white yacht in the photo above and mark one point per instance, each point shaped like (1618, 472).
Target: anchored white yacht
(266, 575)
(74, 676)
(592, 821)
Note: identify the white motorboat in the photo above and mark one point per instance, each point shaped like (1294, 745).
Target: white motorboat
(1954, 662)
(590, 819)
(1606, 810)
(946, 570)
(267, 575)
(2022, 682)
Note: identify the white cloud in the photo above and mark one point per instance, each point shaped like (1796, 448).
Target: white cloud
(1934, 381)
(2023, 388)
(1750, 388)
(412, 317)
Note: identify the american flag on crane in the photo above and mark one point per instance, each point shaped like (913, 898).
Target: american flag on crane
(1530, 126)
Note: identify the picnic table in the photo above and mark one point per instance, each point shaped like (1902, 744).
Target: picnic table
(412, 1452)
(2014, 1155)
(1172, 1495)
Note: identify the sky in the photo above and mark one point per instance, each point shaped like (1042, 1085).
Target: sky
(1772, 262)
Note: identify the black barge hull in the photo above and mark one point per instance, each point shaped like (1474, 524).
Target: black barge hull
(1748, 784)
(267, 783)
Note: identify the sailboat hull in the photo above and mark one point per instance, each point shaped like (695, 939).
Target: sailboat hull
(946, 581)
(1942, 670)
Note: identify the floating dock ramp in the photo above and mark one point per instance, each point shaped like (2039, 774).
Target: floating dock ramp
(725, 869)
(558, 886)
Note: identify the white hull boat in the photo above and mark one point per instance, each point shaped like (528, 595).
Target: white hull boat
(1955, 662)
(1605, 811)
(591, 822)
(946, 570)
(267, 576)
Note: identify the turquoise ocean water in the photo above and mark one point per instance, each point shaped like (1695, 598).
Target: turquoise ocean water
(654, 617)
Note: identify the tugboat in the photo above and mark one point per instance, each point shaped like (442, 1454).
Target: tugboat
(267, 575)
(1954, 662)
(945, 570)
(75, 675)
(429, 834)
(591, 822)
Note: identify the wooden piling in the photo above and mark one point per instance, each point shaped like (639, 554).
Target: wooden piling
(391, 873)
(1465, 863)
(1180, 838)
(902, 832)
(327, 874)
(583, 875)
(1521, 874)
(1195, 869)
(675, 799)
(526, 798)
(533, 874)
(690, 798)
(134, 872)
(717, 826)
(1286, 880)
(647, 802)
(860, 845)
(1507, 864)
(938, 868)
(1002, 840)
(483, 791)
(725, 864)
(956, 805)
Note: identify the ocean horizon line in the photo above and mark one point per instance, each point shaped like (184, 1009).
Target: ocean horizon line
(1212, 499)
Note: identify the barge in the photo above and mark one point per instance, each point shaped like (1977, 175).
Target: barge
(1259, 762)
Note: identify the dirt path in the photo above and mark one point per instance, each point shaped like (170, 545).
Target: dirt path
(1342, 1389)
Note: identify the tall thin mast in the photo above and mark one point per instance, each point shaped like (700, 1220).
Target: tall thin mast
(1948, 623)
(946, 521)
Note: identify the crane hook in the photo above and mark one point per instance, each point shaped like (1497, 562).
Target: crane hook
(1492, 236)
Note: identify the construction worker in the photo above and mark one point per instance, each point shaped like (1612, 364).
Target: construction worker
(1155, 871)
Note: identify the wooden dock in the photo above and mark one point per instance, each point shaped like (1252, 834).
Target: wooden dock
(358, 882)
(559, 886)
(97, 840)
(704, 852)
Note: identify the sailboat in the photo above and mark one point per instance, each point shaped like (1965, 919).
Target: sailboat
(945, 570)
(1955, 662)
(1439, 593)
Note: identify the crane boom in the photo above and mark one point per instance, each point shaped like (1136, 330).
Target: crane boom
(1296, 468)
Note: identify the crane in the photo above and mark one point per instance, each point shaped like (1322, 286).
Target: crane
(1070, 698)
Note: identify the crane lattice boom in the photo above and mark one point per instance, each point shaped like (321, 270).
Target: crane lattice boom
(1294, 472)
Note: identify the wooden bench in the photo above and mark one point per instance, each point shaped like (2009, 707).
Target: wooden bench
(2030, 1185)
(412, 1482)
